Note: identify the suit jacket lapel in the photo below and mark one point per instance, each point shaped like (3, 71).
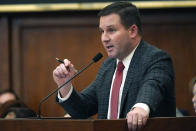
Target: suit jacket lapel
(107, 85)
(130, 74)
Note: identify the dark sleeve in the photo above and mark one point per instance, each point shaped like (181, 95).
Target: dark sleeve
(84, 104)
(81, 105)
(158, 82)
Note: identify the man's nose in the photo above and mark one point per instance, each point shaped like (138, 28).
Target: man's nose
(105, 37)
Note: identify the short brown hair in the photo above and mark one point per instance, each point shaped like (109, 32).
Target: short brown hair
(129, 14)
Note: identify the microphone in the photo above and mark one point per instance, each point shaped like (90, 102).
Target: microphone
(95, 59)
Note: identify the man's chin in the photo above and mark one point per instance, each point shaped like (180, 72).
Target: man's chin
(111, 56)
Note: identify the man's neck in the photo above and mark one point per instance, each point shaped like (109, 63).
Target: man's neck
(135, 44)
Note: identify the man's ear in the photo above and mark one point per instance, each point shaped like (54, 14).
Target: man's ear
(133, 31)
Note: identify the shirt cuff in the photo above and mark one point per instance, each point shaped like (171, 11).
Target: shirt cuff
(66, 97)
(143, 106)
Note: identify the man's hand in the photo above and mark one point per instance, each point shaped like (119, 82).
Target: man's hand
(62, 73)
(136, 118)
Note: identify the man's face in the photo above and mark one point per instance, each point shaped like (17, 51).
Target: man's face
(115, 38)
(194, 97)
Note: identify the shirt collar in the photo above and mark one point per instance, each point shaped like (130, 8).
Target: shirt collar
(127, 60)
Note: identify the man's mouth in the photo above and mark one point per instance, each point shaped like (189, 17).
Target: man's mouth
(109, 47)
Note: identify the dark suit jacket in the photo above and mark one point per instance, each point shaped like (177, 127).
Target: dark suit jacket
(150, 80)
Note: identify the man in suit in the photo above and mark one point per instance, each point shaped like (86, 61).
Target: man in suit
(136, 81)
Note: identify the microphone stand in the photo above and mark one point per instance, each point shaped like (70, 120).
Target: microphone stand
(54, 91)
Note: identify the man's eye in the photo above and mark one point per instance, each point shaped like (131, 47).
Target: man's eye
(111, 30)
(101, 31)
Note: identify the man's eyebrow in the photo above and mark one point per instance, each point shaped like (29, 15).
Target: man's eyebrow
(109, 26)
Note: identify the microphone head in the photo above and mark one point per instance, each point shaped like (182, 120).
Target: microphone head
(97, 57)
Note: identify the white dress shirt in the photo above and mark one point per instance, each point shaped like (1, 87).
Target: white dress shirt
(126, 62)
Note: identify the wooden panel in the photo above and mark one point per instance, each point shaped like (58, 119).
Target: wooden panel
(159, 124)
(46, 124)
(4, 55)
(38, 41)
